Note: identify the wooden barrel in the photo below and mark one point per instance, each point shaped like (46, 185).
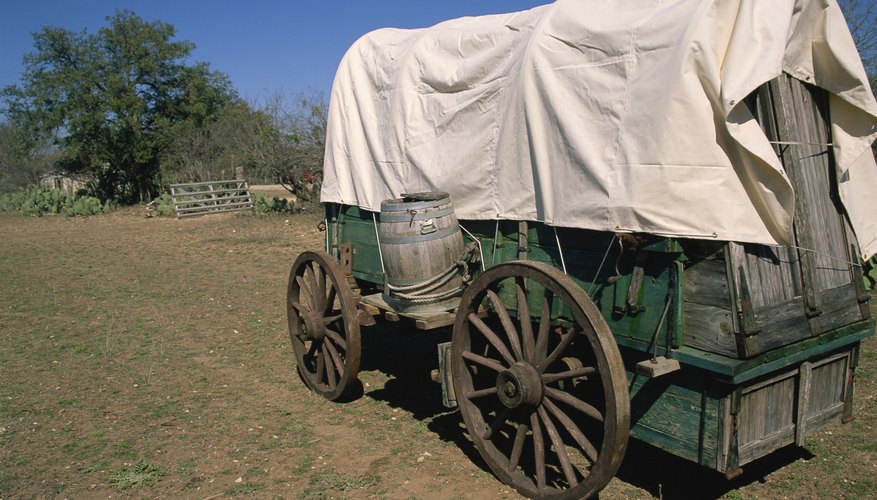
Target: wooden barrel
(420, 243)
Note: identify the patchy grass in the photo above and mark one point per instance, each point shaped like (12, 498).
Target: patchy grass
(140, 474)
(321, 484)
(152, 355)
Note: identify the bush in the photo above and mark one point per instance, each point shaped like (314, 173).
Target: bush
(163, 205)
(42, 201)
(11, 202)
(84, 205)
(264, 205)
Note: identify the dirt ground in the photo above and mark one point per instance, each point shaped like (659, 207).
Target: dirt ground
(148, 357)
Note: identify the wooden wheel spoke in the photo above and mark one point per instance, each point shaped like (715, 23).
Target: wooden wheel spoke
(565, 340)
(496, 424)
(330, 299)
(517, 447)
(314, 286)
(298, 344)
(482, 393)
(576, 403)
(337, 338)
(306, 292)
(298, 306)
(336, 358)
(312, 349)
(579, 372)
(328, 320)
(329, 366)
(559, 448)
(321, 281)
(524, 319)
(321, 362)
(507, 325)
(492, 338)
(538, 450)
(481, 360)
(544, 327)
(574, 431)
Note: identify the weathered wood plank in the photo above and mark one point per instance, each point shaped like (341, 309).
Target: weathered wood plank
(676, 413)
(819, 225)
(709, 328)
(781, 324)
(804, 381)
(840, 307)
(706, 282)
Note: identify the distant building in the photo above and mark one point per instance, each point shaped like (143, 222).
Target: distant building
(67, 184)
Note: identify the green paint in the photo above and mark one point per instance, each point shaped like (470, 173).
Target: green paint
(678, 413)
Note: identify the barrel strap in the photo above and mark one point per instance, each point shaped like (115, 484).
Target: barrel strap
(421, 292)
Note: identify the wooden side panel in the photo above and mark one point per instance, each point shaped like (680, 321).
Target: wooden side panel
(708, 319)
(772, 273)
(766, 420)
(786, 407)
(828, 390)
(357, 226)
(802, 118)
(678, 413)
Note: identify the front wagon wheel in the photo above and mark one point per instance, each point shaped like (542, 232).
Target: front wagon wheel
(323, 324)
(540, 382)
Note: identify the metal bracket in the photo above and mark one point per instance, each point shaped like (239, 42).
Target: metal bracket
(345, 258)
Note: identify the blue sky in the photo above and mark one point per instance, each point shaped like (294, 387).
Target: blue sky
(264, 46)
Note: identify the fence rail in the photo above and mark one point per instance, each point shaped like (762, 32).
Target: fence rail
(200, 198)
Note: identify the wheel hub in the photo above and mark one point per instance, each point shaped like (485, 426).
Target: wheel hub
(520, 385)
(313, 327)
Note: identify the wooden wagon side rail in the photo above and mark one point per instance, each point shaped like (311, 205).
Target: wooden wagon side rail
(199, 198)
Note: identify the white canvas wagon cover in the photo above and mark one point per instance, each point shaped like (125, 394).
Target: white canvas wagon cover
(614, 116)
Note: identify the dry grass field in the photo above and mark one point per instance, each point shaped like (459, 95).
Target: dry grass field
(148, 357)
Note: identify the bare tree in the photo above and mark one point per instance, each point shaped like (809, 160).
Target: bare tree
(301, 123)
(861, 16)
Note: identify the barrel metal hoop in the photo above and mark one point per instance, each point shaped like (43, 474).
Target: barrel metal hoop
(400, 206)
(420, 237)
(419, 215)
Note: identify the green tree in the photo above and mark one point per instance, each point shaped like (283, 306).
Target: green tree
(114, 100)
(239, 138)
(22, 162)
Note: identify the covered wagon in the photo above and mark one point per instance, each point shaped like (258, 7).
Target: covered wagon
(640, 219)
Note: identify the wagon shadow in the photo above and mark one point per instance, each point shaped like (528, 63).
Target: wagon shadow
(407, 356)
(667, 476)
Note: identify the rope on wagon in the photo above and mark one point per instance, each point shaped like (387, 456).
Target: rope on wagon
(421, 292)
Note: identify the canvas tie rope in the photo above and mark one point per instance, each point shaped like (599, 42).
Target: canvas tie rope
(477, 242)
(795, 143)
(559, 250)
(823, 254)
(380, 254)
(597, 274)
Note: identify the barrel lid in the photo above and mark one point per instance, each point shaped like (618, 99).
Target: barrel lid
(424, 196)
(416, 201)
